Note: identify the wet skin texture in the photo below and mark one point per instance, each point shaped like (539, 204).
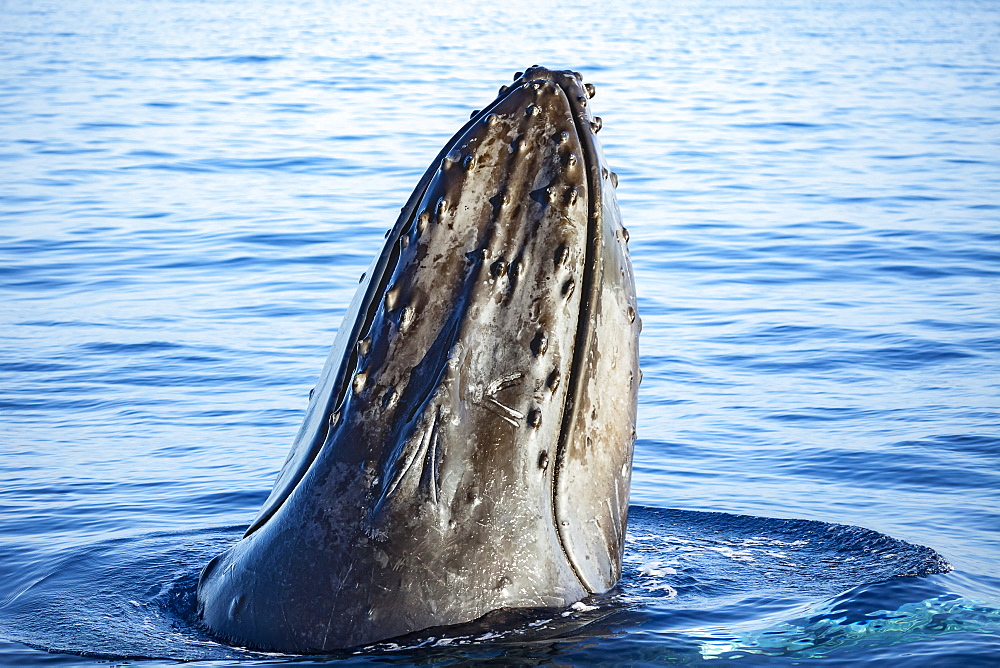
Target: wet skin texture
(469, 444)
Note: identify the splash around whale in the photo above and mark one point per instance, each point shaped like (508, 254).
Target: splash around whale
(468, 446)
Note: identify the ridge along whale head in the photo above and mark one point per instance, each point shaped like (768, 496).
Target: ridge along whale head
(468, 446)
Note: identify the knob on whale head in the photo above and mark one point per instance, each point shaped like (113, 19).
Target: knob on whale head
(468, 446)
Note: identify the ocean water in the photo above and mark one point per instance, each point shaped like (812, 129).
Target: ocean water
(190, 190)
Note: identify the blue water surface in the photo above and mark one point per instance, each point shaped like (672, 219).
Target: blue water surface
(190, 190)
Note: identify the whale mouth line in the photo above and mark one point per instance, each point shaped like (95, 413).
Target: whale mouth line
(584, 320)
(380, 274)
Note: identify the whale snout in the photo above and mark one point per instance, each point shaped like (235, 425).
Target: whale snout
(468, 446)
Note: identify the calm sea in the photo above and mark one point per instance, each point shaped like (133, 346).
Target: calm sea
(190, 190)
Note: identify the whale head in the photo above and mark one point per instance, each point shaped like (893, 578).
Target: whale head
(468, 446)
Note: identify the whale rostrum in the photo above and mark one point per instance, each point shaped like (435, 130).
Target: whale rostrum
(468, 446)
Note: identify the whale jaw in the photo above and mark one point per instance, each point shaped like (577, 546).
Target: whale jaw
(469, 444)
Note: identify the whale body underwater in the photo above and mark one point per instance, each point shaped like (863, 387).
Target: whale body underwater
(468, 446)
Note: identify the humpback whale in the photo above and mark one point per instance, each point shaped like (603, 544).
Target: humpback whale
(468, 446)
